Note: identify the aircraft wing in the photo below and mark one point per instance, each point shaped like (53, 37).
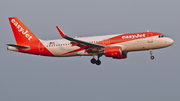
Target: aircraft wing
(80, 43)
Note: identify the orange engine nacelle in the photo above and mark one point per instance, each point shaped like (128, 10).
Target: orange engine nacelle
(112, 51)
(123, 56)
(115, 52)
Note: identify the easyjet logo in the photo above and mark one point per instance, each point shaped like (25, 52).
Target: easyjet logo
(134, 36)
(21, 29)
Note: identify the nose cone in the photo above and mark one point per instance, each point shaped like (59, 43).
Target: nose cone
(170, 41)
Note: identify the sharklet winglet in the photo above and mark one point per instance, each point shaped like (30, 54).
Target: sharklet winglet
(60, 31)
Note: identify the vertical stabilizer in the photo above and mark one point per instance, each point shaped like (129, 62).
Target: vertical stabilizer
(21, 33)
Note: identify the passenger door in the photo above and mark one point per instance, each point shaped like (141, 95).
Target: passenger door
(149, 37)
(41, 47)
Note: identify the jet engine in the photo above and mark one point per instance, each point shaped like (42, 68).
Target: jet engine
(115, 52)
(123, 56)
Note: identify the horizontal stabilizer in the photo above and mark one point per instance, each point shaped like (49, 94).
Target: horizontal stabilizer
(18, 46)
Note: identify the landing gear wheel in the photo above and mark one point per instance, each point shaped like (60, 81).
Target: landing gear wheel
(152, 57)
(93, 60)
(98, 62)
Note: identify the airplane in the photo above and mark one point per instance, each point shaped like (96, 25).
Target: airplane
(115, 46)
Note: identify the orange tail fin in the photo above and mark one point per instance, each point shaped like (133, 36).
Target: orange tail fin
(21, 33)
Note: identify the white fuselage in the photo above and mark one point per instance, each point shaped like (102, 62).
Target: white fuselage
(61, 46)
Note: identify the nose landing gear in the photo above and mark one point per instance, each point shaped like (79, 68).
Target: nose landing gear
(152, 57)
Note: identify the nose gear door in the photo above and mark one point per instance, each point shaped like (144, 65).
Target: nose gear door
(149, 37)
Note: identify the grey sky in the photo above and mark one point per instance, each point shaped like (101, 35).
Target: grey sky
(25, 77)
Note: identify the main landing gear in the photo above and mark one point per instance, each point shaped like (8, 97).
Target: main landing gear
(94, 61)
(152, 57)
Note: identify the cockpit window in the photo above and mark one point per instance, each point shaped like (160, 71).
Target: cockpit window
(161, 36)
